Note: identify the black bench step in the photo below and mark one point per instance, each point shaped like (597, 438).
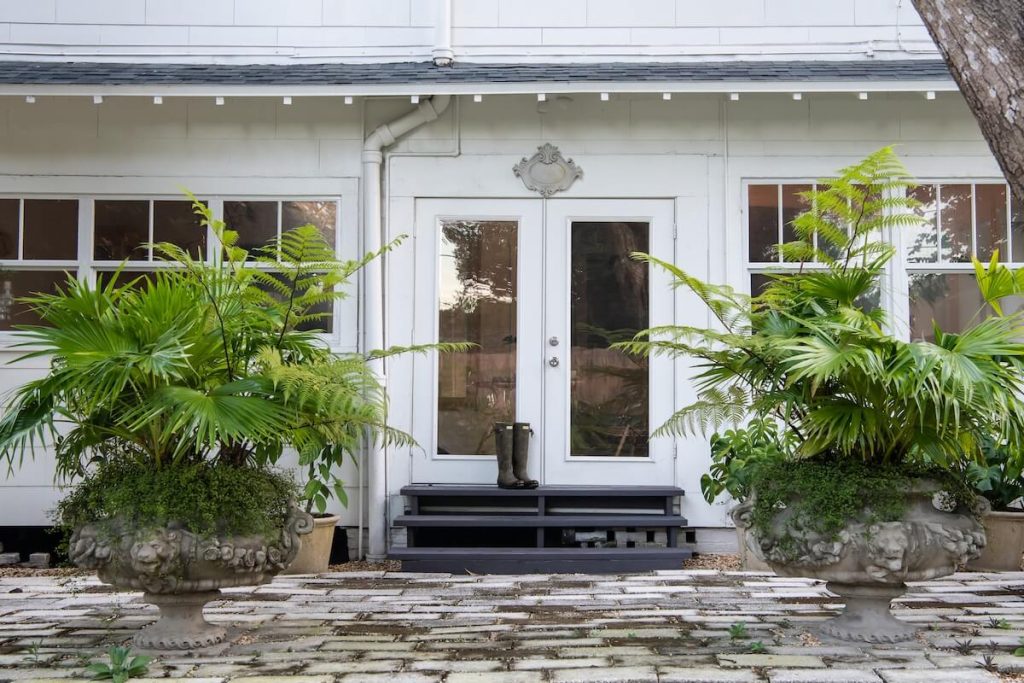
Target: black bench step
(539, 560)
(430, 490)
(534, 520)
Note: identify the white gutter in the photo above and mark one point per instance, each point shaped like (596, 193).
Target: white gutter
(442, 52)
(373, 297)
(491, 88)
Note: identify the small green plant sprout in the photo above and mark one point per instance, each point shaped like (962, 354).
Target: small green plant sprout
(757, 648)
(1002, 624)
(631, 634)
(738, 631)
(122, 667)
(33, 652)
(1019, 652)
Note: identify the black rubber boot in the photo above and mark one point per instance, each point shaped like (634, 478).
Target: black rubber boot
(503, 442)
(521, 454)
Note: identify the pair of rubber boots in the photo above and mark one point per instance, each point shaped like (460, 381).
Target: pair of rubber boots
(512, 443)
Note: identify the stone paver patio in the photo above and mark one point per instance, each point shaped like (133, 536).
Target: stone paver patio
(663, 627)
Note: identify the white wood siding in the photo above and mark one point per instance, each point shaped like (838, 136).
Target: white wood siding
(496, 30)
(697, 149)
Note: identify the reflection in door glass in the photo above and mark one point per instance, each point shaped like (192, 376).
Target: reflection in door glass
(609, 303)
(478, 305)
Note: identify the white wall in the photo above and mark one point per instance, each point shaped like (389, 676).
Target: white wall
(492, 30)
(254, 146)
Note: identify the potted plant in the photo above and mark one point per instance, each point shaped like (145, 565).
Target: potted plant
(874, 493)
(998, 478)
(322, 484)
(170, 400)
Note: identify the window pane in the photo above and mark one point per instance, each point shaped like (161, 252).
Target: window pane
(1017, 228)
(255, 222)
(956, 222)
(792, 206)
(758, 282)
(922, 240)
(122, 231)
(609, 303)
(9, 228)
(21, 283)
(51, 229)
(763, 227)
(990, 218)
(135, 277)
(477, 304)
(177, 223)
(952, 300)
(323, 215)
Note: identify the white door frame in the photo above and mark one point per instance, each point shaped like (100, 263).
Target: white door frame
(559, 467)
(542, 312)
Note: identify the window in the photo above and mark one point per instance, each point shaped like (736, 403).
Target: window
(770, 213)
(42, 240)
(38, 248)
(960, 219)
(478, 285)
(257, 222)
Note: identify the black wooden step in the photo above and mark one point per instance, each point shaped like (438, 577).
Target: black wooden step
(534, 520)
(430, 490)
(539, 560)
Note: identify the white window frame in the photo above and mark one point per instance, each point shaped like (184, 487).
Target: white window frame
(345, 333)
(896, 291)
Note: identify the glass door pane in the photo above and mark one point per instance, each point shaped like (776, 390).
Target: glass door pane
(608, 303)
(477, 304)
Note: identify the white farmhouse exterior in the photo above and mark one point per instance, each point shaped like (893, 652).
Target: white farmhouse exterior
(692, 125)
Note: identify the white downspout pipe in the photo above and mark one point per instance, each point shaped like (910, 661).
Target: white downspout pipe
(443, 53)
(373, 293)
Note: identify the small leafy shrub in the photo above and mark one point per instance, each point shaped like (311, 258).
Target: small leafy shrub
(202, 497)
(121, 667)
(738, 454)
(757, 648)
(997, 477)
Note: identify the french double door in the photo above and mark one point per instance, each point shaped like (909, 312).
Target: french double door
(543, 289)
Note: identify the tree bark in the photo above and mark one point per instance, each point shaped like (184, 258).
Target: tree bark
(982, 41)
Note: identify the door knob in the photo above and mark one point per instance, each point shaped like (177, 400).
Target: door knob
(553, 362)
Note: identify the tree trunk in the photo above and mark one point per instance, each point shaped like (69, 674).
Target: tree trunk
(982, 41)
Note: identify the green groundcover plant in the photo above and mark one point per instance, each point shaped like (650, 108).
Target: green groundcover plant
(857, 412)
(173, 397)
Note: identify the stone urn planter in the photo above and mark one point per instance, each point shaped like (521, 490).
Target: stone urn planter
(868, 565)
(1005, 548)
(315, 554)
(180, 572)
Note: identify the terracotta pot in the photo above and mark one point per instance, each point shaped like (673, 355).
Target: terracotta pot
(180, 572)
(315, 553)
(867, 565)
(1005, 531)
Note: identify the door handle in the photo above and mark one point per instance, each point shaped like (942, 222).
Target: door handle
(553, 362)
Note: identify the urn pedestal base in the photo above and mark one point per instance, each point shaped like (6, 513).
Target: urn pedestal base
(866, 616)
(181, 625)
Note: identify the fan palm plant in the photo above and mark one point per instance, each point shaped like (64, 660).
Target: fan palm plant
(812, 352)
(205, 364)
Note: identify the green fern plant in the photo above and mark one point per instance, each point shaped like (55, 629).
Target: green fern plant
(812, 351)
(208, 362)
